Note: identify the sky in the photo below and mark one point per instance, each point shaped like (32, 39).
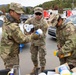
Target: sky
(24, 2)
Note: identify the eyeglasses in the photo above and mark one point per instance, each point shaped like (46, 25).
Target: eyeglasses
(38, 14)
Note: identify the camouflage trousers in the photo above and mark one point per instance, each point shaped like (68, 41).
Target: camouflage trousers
(10, 61)
(35, 50)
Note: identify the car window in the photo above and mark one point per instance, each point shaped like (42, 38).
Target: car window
(72, 18)
(1, 23)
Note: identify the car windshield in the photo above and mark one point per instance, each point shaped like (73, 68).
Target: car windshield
(72, 18)
(1, 23)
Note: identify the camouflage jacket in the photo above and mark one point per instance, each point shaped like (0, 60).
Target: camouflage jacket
(12, 36)
(42, 24)
(66, 38)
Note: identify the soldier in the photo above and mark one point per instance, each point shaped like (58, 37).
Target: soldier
(38, 41)
(66, 40)
(12, 36)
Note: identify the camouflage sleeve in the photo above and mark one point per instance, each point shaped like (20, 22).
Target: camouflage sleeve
(69, 45)
(28, 21)
(44, 29)
(58, 44)
(58, 40)
(17, 34)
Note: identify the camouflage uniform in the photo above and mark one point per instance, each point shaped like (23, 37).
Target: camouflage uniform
(66, 40)
(12, 36)
(38, 45)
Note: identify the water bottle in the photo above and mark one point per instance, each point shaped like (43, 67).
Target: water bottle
(63, 70)
(42, 73)
(74, 73)
(11, 72)
(51, 73)
(39, 32)
(55, 53)
(61, 56)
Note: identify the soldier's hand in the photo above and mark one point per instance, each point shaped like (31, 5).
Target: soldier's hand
(60, 54)
(35, 36)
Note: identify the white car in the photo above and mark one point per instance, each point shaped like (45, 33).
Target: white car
(1, 23)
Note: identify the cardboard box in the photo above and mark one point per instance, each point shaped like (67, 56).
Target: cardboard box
(73, 70)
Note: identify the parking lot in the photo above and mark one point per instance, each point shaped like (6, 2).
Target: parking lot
(25, 57)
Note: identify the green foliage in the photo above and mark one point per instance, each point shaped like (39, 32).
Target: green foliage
(29, 10)
(59, 4)
(55, 4)
(4, 8)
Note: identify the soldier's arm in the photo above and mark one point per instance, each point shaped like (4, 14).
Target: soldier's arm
(69, 45)
(58, 43)
(58, 40)
(44, 29)
(28, 21)
(17, 34)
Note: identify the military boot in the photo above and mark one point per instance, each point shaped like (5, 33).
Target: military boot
(42, 69)
(34, 69)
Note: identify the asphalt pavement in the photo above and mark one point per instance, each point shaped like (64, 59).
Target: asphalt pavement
(26, 64)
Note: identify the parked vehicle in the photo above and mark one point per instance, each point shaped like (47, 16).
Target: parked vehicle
(24, 17)
(1, 23)
(72, 18)
(52, 30)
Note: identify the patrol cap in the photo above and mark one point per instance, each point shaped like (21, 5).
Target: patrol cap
(16, 7)
(63, 16)
(55, 20)
(38, 9)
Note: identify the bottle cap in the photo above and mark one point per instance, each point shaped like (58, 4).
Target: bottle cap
(11, 73)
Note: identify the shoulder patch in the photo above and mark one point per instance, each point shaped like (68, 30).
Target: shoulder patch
(68, 29)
